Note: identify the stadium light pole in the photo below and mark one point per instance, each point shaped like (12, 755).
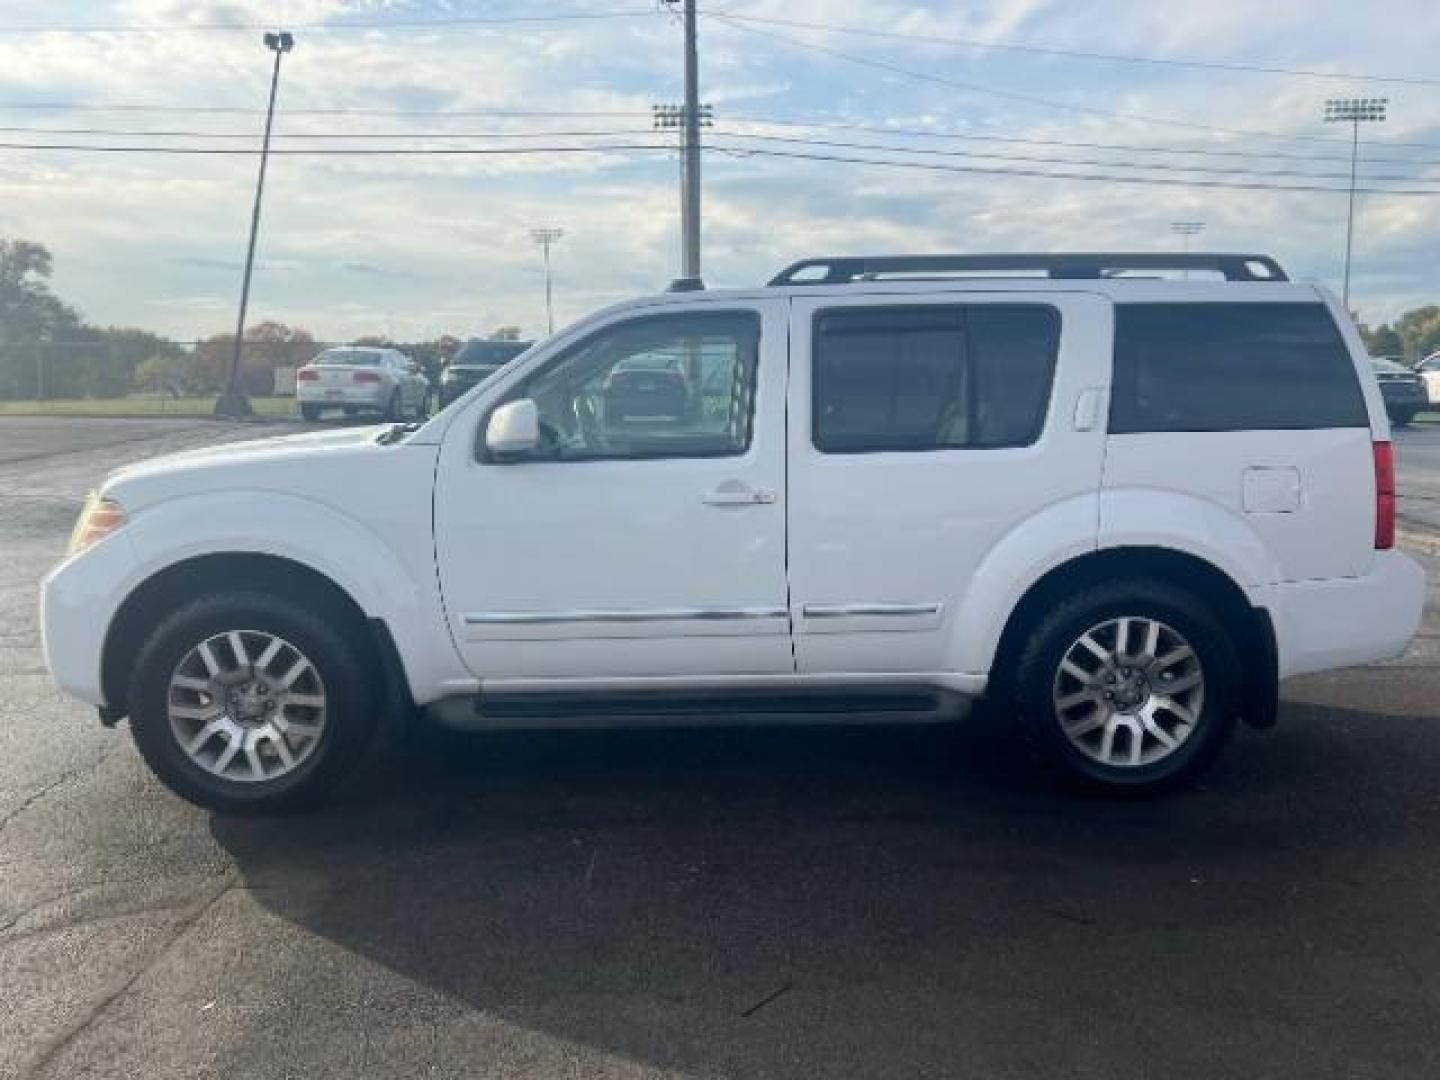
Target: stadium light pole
(1353, 111)
(232, 401)
(545, 236)
(1185, 230)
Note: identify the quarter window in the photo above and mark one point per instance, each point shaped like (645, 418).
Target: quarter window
(936, 377)
(664, 386)
(1231, 367)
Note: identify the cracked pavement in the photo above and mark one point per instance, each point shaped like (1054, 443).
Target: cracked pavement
(785, 903)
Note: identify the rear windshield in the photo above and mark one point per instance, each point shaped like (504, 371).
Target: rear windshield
(349, 357)
(1231, 367)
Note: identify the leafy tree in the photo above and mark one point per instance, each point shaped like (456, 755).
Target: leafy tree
(1384, 340)
(1420, 330)
(32, 318)
(266, 346)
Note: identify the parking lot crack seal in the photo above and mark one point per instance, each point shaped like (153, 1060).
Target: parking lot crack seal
(58, 1043)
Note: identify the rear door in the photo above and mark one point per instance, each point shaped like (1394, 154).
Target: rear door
(923, 429)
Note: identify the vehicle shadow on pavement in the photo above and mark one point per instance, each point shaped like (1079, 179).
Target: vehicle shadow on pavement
(890, 902)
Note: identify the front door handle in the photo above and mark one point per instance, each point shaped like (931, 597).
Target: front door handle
(737, 493)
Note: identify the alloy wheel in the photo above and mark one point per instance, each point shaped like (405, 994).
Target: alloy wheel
(1129, 692)
(247, 705)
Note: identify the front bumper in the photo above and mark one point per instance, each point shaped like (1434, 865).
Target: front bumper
(1340, 622)
(77, 606)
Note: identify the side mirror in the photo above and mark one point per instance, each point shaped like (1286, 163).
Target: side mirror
(513, 430)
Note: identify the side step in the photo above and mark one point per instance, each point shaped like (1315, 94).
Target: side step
(589, 711)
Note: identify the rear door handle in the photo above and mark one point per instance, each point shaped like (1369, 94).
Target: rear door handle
(737, 493)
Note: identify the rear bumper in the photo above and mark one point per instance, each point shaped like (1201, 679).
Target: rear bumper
(365, 396)
(1345, 621)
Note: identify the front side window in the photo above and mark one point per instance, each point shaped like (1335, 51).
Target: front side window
(662, 386)
(933, 377)
(1231, 367)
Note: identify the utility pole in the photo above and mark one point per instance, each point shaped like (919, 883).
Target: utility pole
(1185, 230)
(690, 153)
(1353, 111)
(545, 236)
(232, 402)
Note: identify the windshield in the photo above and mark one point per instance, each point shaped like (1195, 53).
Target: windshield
(348, 357)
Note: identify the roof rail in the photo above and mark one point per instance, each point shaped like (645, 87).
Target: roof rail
(1081, 265)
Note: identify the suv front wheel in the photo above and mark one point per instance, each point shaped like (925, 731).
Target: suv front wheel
(1129, 685)
(250, 702)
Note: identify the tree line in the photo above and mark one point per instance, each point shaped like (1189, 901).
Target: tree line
(47, 350)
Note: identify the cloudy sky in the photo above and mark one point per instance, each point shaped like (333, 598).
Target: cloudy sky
(416, 244)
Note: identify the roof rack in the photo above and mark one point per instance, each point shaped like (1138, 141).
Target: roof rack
(1081, 265)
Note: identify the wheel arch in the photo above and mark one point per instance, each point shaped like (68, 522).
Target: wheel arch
(170, 586)
(1254, 632)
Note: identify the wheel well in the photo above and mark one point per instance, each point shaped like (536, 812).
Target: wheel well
(167, 589)
(1254, 633)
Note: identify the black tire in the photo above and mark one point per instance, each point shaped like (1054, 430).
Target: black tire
(310, 412)
(1037, 670)
(395, 410)
(318, 633)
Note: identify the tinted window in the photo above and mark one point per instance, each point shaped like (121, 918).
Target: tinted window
(665, 386)
(933, 377)
(1231, 367)
(350, 357)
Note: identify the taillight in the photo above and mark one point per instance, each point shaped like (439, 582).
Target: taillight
(1384, 496)
(306, 374)
(365, 376)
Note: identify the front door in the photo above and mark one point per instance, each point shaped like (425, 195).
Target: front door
(646, 536)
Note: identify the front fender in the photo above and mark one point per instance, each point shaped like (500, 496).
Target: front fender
(394, 581)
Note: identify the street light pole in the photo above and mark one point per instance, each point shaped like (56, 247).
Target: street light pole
(546, 236)
(1353, 111)
(232, 402)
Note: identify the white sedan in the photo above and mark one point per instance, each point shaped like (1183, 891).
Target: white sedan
(363, 379)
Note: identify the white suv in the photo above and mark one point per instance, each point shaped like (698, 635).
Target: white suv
(1121, 507)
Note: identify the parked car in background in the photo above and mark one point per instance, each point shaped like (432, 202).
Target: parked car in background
(1121, 508)
(1429, 371)
(1403, 389)
(476, 361)
(356, 378)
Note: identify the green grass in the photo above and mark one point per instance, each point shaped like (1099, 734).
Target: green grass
(143, 405)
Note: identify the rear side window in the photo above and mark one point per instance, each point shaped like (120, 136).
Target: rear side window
(933, 377)
(1231, 367)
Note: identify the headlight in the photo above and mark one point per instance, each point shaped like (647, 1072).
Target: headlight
(98, 519)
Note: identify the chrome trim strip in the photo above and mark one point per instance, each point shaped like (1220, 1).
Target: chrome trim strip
(547, 618)
(846, 611)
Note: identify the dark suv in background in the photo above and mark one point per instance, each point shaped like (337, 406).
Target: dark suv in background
(476, 361)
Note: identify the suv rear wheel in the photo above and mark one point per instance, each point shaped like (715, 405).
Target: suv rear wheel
(250, 703)
(1129, 685)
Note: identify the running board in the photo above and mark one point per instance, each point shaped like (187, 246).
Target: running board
(575, 710)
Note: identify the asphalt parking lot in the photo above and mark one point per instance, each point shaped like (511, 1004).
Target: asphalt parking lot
(796, 903)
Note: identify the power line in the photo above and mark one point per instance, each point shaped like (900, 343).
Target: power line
(979, 170)
(1011, 95)
(334, 151)
(986, 170)
(1080, 145)
(377, 24)
(1127, 148)
(232, 110)
(1156, 166)
(1077, 54)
